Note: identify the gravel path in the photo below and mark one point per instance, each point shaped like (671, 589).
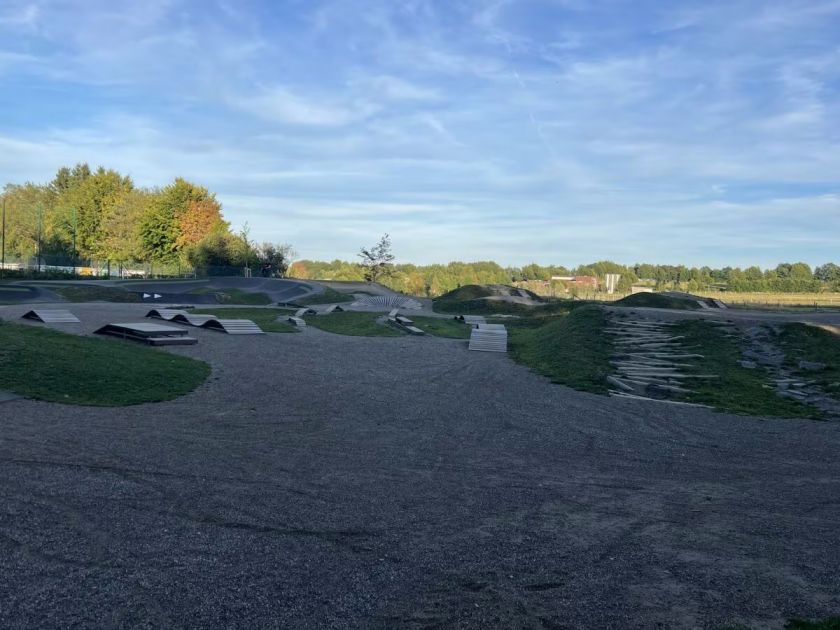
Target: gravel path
(318, 480)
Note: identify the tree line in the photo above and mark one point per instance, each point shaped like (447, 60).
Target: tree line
(434, 280)
(101, 215)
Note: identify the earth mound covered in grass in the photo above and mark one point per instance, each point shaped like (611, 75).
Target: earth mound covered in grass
(474, 299)
(49, 365)
(572, 350)
(658, 300)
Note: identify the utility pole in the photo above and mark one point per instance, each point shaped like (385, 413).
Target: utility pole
(3, 265)
(75, 255)
(40, 230)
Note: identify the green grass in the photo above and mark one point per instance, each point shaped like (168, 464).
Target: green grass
(737, 390)
(466, 293)
(440, 327)
(80, 293)
(234, 296)
(657, 300)
(48, 365)
(829, 623)
(265, 318)
(572, 349)
(809, 343)
(329, 296)
(353, 323)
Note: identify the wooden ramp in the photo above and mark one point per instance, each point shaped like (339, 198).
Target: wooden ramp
(55, 316)
(152, 334)
(233, 326)
(489, 338)
(166, 313)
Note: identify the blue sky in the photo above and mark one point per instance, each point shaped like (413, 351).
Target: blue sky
(555, 131)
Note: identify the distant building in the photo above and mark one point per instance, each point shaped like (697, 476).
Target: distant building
(577, 281)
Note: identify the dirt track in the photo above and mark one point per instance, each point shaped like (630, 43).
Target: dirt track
(326, 481)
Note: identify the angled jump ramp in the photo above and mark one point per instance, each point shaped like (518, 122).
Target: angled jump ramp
(54, 316)
(233, 326)
(152, 334)
(295, 321)
(489, 338)
(403, 323)
(333, 308)
(472, 320)
(305, 311)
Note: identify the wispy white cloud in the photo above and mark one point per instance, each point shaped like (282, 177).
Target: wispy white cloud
(547, 129)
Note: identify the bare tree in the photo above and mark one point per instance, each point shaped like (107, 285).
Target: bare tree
(378, 260)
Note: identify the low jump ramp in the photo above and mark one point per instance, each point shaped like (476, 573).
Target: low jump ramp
(152, 334)
(489, 338)
(211, 322)
(55, 316)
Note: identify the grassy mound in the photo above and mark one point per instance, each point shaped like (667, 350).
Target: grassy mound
(801, 342)
(234, 296)
(737, 390)
(329, 296)
(265, 318)
(466, 293)
(572, 350)
(49, 365)
(440, 327)
(352, 323)
(657, 300)
(82, 293)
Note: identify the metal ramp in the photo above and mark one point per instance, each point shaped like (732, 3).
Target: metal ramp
(388, 301)
(403, 323)
(54, 316)
(472, 320)
(333, 308)
(233, 326)
(489, 338)
(295, 321)
(167, 314)
(152, 334)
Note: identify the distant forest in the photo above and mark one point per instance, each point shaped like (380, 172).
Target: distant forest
(433, 280)
(84, 215)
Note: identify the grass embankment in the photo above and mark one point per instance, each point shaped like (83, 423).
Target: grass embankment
(234, 296)
(352, 323)
(737, 389)
(95, 294)
(829, 623)
(49, 365)
(657, 300)
(329, 296)
(265, 318)
(440, 327)
(572, 350)
(801, 342)
(468, 300)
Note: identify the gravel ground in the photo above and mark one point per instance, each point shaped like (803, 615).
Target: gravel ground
(320, 480)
